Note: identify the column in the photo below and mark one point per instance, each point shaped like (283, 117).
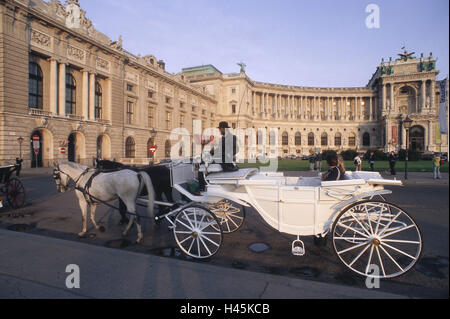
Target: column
(108, 102)
(345, 109)
(62, 90)
(253, 101)
(85, 95)
(432, 96)
(424, 96)
(383, 98)
(370, 109)
(53, 86)
(332, 118)
(392, 97)
(92, 97)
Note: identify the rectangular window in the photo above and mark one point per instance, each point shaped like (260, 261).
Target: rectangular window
(150, 94)
(151, 117)
(233, 90)
(168, 121)
(181, 105)
(233, 109)
(168, 100)
(130, 112)
(130, 88)
(181, 121)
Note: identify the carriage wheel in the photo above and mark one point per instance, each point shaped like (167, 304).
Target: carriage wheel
(15, 193)
(231, 217)
(377, 239)
(197, 232)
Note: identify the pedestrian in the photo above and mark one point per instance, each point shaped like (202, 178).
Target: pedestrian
(392, 158)
(319, 160)
(341, 165)
(312, 161)
(334, 173)
(372, 161)
(358, 163)
(437, 166)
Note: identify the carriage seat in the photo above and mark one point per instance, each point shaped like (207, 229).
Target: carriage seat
(240, 174)
(212, 168)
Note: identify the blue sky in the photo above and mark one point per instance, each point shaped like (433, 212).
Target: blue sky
(308, 43)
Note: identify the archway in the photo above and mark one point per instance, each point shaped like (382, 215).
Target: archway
(45, 156)
(37, 159)
(103, 147)
(417, 138)
(76, 148)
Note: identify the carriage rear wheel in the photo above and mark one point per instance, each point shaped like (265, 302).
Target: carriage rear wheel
(15, 193)
(197, 232)
(230, 215)
(377, 239)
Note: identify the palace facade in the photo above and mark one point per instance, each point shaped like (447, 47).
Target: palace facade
(80, 95)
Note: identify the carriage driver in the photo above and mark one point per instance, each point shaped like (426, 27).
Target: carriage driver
(225, 153)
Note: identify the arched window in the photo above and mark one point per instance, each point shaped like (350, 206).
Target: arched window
(130, 148)
(70, 94)
(352, 140)
(338, 139)
(98, 101)
(35, 86)
(324, 139)
(150, 143)
(285, 139)
(167, 149)
(311, 139)
(298, 139)
(366, 139)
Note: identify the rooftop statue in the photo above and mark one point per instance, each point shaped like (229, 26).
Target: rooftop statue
(243, 66)
(406, 55)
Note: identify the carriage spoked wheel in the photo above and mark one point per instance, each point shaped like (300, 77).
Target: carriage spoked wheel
(230, 215)
(377, 239)
(15, 193)
(197, 232)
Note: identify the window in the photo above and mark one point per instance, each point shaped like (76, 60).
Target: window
(233, 125)
(233, 90)
(151, 117)
(168, 121)
(35, 86)
(130, 148)
(150, 143)
(167, 149)
(130, 87)
(366, 139)
(130, 112)
(352, 140)
(338, 139)
(168, 100)
(70, 94)
(324, 139)
(181, 105)
(98, 101)
(311, 139)
(233, 109)
(150, 94)
(181, 121)
(298, 139)
(285, 139)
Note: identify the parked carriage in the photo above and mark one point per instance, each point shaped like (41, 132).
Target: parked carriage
(12, 190)
(371, 236)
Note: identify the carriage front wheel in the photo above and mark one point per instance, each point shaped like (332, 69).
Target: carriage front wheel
(377, 239)
(15, 193)
(197, 232)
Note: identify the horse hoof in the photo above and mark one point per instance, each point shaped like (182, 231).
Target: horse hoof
(102, 229)
(82, 235)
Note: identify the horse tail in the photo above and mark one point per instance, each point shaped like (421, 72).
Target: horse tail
(151, 193)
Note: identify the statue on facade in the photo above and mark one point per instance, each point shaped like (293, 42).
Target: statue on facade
(243, 66)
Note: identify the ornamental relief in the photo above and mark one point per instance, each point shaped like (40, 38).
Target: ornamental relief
(102, 64)
(168, 91)
(41, 39)
(132, 77)
(76, 53)
(151, 85)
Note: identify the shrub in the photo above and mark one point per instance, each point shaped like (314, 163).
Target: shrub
(412, 155)
(327, 153)
(349, 155)
(379, 155)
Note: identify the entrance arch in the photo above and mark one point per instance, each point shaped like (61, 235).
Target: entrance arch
(76, 148)
(103, 147)
(45, 155)
(417, 138)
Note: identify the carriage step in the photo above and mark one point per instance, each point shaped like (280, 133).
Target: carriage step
(298, 248)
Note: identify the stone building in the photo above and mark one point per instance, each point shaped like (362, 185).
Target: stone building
(80, 95)
(311, 118)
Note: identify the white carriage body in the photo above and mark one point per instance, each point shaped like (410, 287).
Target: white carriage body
(296, 206)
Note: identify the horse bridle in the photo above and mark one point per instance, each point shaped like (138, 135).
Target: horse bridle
(57, 175)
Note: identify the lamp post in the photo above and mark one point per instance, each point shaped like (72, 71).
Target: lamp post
(407, 125)
(20, 140)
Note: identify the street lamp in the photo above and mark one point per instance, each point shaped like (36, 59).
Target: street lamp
(20, 140)
(407, 125)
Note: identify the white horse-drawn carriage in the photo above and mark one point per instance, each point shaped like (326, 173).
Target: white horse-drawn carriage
(368, 233)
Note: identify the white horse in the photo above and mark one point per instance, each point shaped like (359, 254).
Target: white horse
(105, 187)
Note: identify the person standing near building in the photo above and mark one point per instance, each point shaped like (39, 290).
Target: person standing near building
(319, 160)
(372, 161)
(392, 158)
(436, 166)
(312, 161)
(358, 163)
